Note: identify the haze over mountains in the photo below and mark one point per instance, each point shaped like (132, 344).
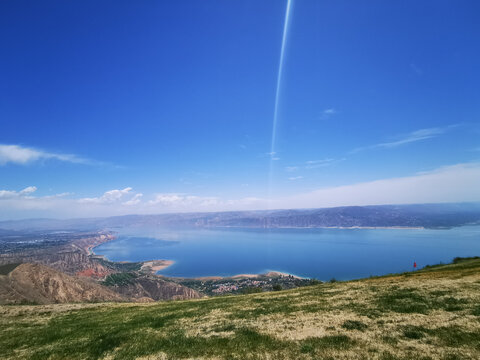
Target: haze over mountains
(416, 215)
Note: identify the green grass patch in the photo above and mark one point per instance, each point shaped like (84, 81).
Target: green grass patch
(413, 332)
(455, 336)
(354, 325)
(338, 342)
(120, 279)
(403, 301)
(8, 268)
(252, 290)
(459, 260)
(410, 300)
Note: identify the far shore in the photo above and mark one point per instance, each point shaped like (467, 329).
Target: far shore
(270, 274)
(322, 227)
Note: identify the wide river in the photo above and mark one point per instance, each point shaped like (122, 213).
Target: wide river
(313, 253)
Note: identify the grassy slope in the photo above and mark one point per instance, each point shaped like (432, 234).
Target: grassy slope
(432, 313)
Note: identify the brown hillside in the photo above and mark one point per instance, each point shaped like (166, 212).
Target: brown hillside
(35, 283)
(154, 287)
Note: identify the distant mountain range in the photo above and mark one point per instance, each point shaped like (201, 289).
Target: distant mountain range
(417, 215)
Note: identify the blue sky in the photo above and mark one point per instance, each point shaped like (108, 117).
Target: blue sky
(110, 107)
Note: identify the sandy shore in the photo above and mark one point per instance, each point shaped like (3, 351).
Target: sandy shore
(269, 274)
(153, 266)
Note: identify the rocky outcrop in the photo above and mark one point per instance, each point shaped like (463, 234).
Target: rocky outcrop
(35, 283)
(73, 258)
(72, 262)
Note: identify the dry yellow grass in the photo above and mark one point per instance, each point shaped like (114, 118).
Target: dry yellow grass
(431, 314)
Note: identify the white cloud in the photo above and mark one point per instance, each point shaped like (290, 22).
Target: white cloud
(16, 154)
(166, 199)
(293, 178)
(108, 197)
(28, 190)
(9, 194)
(135, 200)
(291, 168)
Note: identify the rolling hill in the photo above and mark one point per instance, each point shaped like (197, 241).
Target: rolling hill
(433, 313)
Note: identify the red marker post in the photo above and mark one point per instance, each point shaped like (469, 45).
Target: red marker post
(414, 265)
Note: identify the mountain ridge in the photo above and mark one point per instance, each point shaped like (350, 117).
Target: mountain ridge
(413, 215)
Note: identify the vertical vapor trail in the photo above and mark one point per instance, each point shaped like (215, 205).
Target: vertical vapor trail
(277, 92)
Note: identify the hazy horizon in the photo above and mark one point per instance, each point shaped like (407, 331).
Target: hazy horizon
(186, 212)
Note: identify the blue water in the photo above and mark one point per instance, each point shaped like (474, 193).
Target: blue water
(313, 253)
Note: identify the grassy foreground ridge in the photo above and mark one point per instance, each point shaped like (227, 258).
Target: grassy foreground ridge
(433, 313)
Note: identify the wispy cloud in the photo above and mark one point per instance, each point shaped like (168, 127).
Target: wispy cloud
(293, 178)
(313, 164)
(327, 113)
(272, 155)
(16, 154)
(414, 136)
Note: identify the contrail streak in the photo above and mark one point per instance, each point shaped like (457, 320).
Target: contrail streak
(279, 75)
(278, 91)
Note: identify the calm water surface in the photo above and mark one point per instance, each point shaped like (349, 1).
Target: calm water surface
(314, 253)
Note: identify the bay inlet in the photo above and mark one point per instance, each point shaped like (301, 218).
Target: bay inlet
(323, 254)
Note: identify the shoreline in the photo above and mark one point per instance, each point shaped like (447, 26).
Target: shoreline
(154, 266)
(269, 274)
